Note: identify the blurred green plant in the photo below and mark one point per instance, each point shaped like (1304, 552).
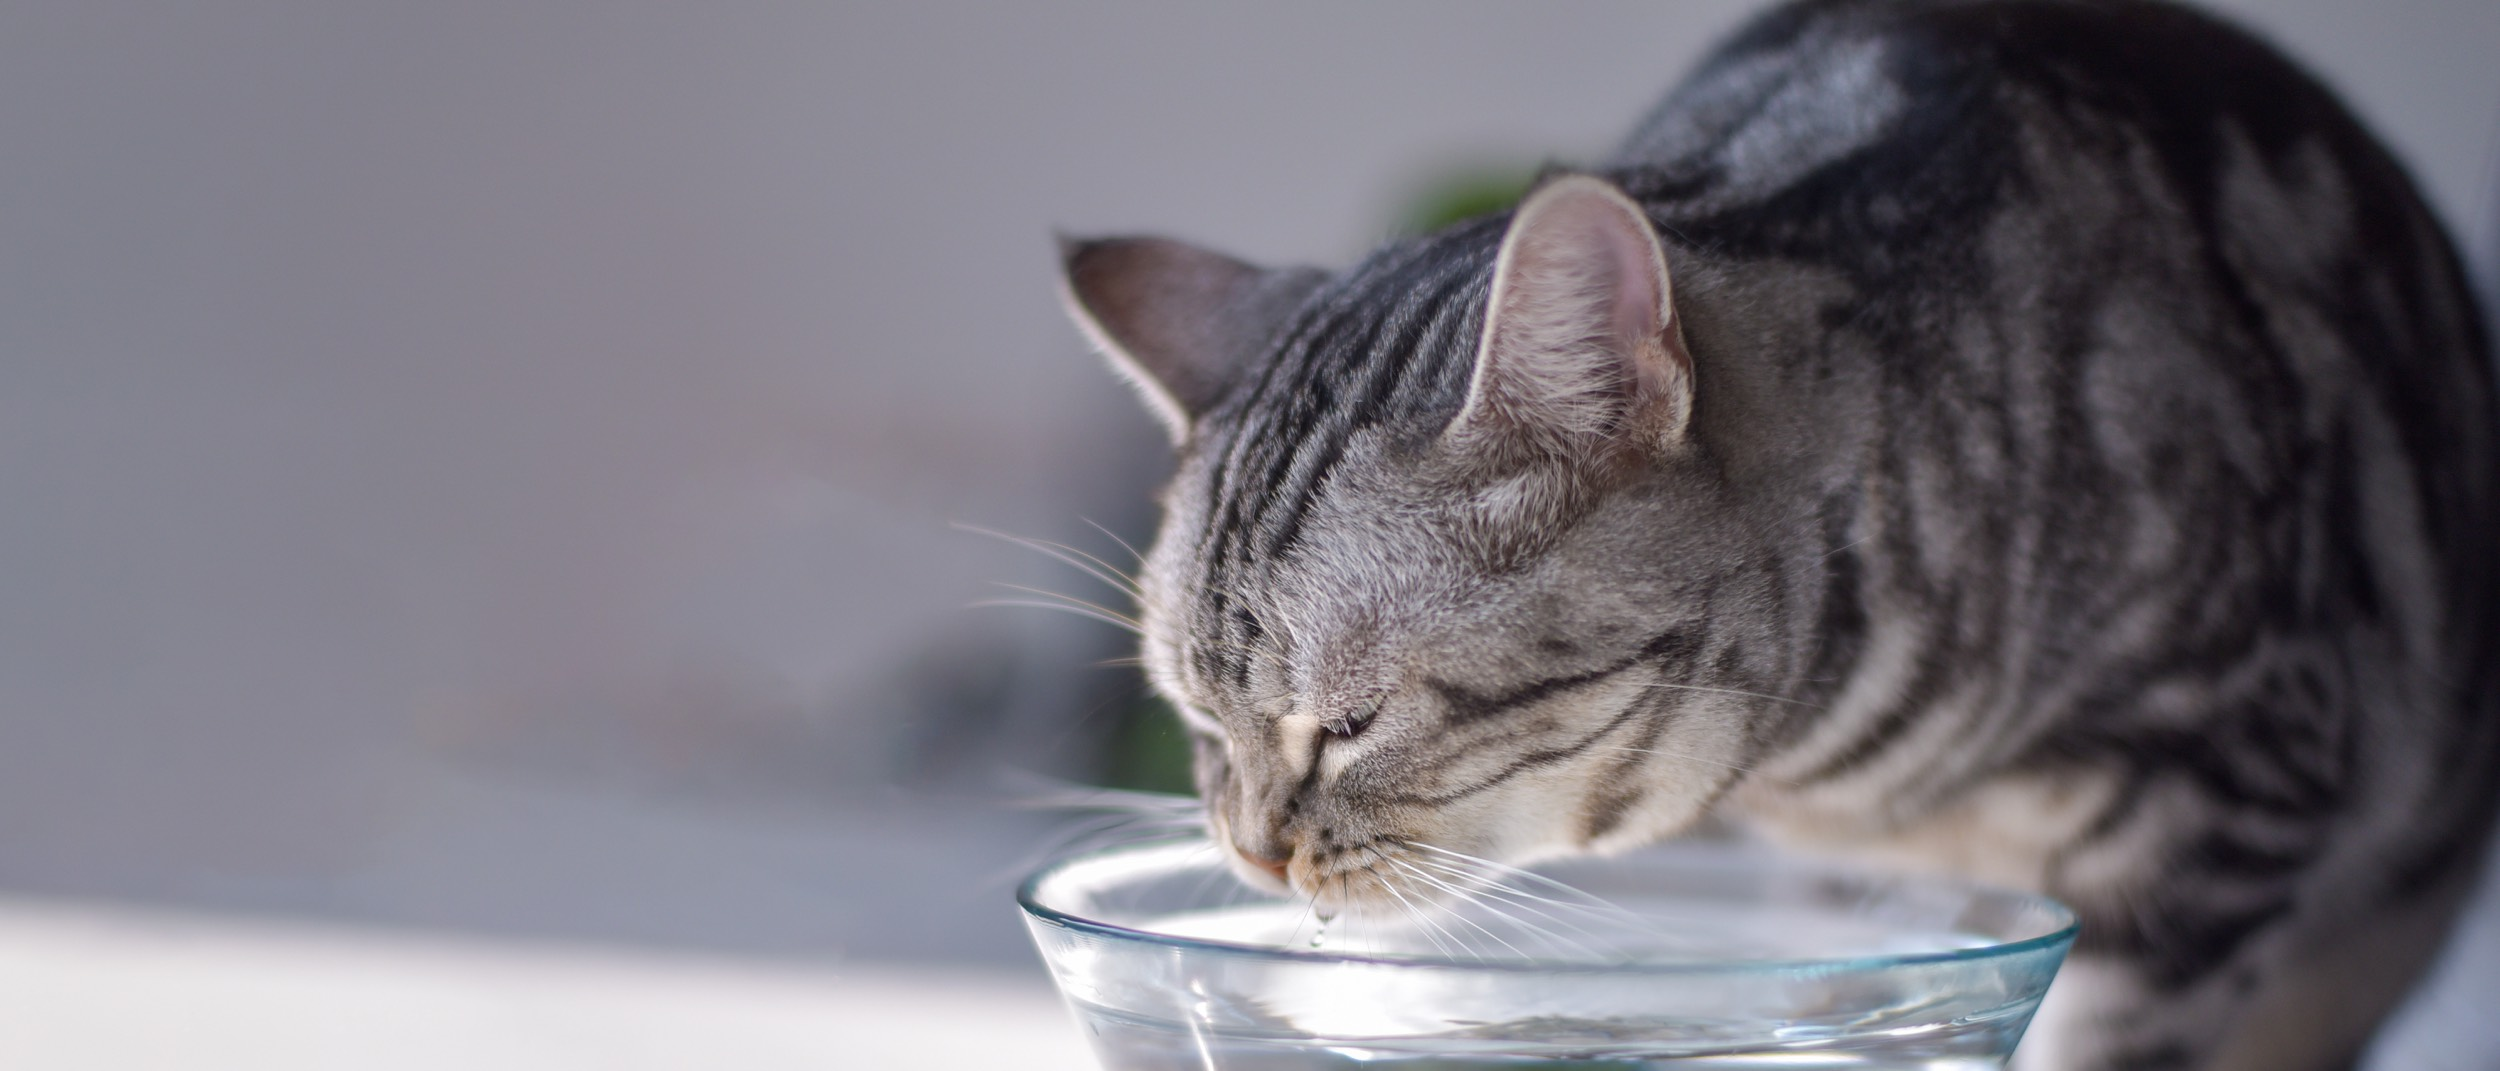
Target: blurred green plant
(1149, 750)
(1465, 194)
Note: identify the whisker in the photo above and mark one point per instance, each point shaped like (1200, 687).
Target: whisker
(1408, 910)
(1429, 927)
(1523, 900)
(1089, 564)
(1124, 620)
(1310, 914)
(1377, 934)
(1216, 877)
(1072, 600)
(1038, 604)
(1558, 911)
(1426, 926)
(1133, 553)
(1350, 921)
(1734, 691)
(1122, 800)
(1576, 898)
(1464, 895)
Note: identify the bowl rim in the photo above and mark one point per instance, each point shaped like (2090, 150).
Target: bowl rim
(2060, 939)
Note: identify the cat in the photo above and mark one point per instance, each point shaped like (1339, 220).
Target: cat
(2043, 441)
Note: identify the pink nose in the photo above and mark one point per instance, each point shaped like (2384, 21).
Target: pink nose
(1272, 866)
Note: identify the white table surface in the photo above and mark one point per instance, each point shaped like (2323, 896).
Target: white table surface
(87, 987)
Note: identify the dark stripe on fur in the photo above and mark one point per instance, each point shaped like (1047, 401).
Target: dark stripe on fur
(1528, 760)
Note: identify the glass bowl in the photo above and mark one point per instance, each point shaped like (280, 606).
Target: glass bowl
(1695, 955)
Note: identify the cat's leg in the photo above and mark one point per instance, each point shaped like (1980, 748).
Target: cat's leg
(2106, 1013)
(2194, 955)
(2331, 995)
(2303, 993)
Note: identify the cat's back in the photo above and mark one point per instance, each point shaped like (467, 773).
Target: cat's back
(2124, 339)
(2125, 216)
(1856, 128)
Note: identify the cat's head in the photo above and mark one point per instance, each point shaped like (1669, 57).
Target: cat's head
(1446, 570)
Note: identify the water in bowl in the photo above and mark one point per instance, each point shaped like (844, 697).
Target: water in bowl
(1691, 959)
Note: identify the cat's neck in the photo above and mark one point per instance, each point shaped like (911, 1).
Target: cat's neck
(1785, 416)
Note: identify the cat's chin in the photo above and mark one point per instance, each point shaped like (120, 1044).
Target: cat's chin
(1363, 891)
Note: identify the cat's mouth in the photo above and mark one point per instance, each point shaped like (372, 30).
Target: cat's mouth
(1378, 875)
(1384, 875)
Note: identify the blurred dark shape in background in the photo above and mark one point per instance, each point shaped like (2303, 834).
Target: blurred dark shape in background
(496, 468)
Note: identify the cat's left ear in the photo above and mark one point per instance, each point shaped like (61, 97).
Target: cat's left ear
(1581, 349)
(1179, 321)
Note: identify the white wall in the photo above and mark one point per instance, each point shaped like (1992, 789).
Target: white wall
(417, 419)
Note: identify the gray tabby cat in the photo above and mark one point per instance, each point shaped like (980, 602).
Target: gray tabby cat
(2048, 442)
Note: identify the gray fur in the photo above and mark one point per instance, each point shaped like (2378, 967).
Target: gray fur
(2089, 484)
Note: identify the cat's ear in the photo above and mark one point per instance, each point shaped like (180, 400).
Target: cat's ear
(1177, 320)
(1581, 348)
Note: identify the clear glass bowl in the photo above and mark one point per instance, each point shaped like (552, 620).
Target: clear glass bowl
(1688, 956)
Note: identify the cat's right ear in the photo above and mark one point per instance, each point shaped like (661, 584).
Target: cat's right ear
(1581, 348)
(1177, 320)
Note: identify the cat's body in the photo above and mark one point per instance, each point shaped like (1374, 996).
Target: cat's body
(2043, 441)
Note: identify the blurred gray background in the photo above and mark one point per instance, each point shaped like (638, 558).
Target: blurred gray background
(492, 467)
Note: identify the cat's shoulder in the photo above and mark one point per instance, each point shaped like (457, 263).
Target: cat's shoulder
(1926, 107)
(2133, 57)
(2020, 38)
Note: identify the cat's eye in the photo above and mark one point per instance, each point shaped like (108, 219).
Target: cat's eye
(1351, 723)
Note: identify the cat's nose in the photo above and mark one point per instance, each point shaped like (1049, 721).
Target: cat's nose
(1269, 853)
(1272, 866)
(1265, 842)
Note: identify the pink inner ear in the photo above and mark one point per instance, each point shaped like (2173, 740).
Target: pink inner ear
(1636, 297)
(1591, 241)
(1576, 322)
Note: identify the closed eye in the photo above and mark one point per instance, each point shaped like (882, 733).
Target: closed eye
(1345, 726)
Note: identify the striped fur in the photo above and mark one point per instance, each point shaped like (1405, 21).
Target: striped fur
(2089, 483)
